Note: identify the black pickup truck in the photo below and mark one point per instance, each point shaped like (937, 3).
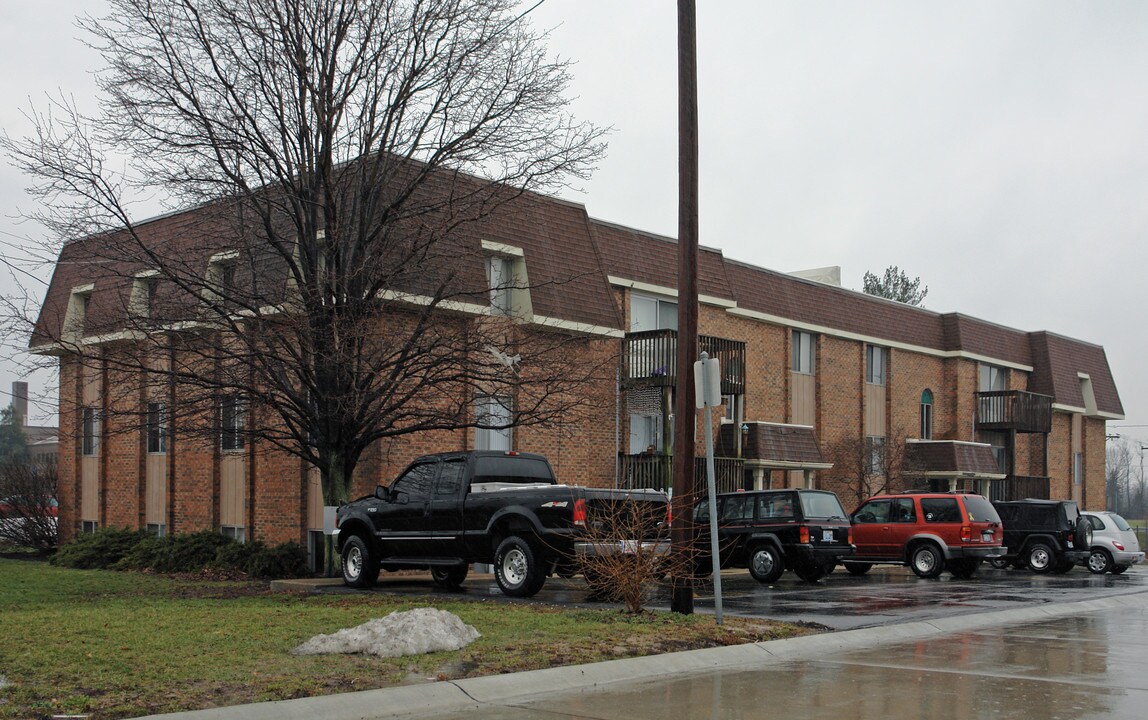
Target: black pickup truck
(448, 510)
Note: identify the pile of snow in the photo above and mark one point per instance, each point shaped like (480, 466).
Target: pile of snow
(411, 632)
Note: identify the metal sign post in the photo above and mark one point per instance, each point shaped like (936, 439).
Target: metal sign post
(707, 381)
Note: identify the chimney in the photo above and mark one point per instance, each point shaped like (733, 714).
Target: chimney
(20, 400)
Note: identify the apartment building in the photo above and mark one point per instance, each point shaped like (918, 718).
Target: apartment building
(823, 386)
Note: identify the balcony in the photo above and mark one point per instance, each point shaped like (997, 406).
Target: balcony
(1014, 410)
(651, 360)
(656, 471)
(1020, 487)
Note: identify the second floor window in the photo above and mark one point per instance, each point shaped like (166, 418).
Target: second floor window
(232, 419)
(875, 365)
(927, 415)
(157, 427)
(803, 352)
(91, 432)
(650, 313)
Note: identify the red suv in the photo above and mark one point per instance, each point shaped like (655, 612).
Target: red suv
(929, 532)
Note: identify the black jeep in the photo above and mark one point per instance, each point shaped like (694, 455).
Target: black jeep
(1043, 535)
(768, 531)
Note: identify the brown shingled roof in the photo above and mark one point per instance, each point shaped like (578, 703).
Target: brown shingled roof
(941, 458)
(772, 443)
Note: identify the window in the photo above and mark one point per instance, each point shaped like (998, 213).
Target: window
(650, 313)
(493, 417)
(874, 365)
(876, 455)
(940, 510)
(157, 427)
(732, 405)
(76, 314)
(499, 275)
(89, 526)
(417, 483)
(927, 415)
(876, 511)
(91, 431)
(903, 511)
(1077, 468)
(231, 421)
(143, 294)
(155, 529)
(450, 479)
(804, 345)
(235, 532)
(736, 508)
(992, 378)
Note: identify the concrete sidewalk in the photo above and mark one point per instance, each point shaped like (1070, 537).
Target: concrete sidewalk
(551, 692)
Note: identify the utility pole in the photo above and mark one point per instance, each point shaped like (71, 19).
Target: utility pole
(682, 592)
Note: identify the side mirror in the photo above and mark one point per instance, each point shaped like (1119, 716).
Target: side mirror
(381, 492)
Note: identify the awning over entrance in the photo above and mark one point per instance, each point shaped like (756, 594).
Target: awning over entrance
(949, 463)
(773, 446)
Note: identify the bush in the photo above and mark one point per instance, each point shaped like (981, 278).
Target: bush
(98, 550)
(137, 550)
(286, 560)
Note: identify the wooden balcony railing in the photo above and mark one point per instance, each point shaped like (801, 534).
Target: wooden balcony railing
(1020, 487)
(1014, 410)
(656, 471)
(651, 359)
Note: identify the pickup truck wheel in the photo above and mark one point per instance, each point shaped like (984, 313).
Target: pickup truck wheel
(516, 568)
(857, 569)
(449, 577)
(927, 561)
(1099, 561)
(1040, 558)
(360, 567)
(765, 563)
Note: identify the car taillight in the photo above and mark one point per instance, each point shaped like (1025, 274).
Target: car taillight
(966, 533)
(580, 512)
(1118, 546)
(803, 534)
(850, 536)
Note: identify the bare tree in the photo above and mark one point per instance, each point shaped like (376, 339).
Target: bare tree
(342, 159)
(28, 503)
(870, 466)
(1118, 472)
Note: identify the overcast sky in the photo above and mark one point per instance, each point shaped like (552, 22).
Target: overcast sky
(997, 150)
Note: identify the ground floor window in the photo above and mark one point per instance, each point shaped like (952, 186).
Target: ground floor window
(234, 532)
(156, 529)
(89, 526)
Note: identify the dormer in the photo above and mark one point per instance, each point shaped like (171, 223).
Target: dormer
(142, 300)
(507, 280)
(220, 278)
(76, 315)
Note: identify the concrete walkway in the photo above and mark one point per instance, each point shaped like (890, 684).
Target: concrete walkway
(1067, 660)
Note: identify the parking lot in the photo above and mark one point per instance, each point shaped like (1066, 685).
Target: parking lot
(885, 596)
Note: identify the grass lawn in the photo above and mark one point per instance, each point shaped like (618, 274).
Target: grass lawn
(128, 644)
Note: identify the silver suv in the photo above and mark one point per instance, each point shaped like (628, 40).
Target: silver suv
(1114, 546)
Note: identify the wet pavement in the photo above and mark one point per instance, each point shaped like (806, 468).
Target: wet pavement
(886, 595)
(1058, 661)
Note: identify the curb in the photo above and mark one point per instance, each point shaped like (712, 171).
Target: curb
(469, 694)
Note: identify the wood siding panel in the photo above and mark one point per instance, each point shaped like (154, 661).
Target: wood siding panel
(231, 490)
(155, 489)
(802, 398)
(875, 425)
(90, 488)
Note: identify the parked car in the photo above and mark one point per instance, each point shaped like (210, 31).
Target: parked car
(1114, 545)
(929, 532)
(769, 531)
(1043, 535)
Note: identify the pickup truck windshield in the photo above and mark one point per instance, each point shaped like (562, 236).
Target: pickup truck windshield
(511, 470)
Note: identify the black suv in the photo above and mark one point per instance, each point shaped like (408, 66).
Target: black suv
(1043, 535)
(768, 531)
